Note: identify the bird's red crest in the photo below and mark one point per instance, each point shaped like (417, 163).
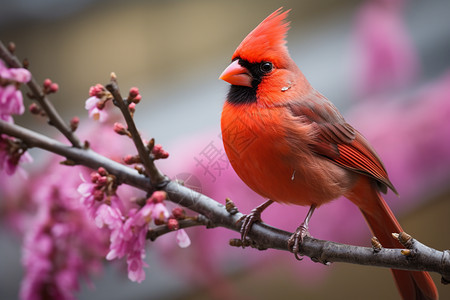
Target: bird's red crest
(266, 41)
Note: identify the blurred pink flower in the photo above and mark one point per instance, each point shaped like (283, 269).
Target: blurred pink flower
(11, 155)
(47, 210)
(11, 103)
(61, 244)
(11, 100)
(14, 74)
(86, 190)
(128, 231)
(385, 56)
(160, 212)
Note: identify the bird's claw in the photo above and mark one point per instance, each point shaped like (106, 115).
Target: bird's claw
(247, 222)
(296, 240)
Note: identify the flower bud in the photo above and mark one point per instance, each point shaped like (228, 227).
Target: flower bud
(94, 177)
(54, 87)
(119, 128)
(134, 91)
(102, 171)
(96, 90)
(132, 107)
(47, 83)
(131, 159)
(173, 224)
(74, 123)
(159, 152)
(98, 195)
(158, 197)
(102, 180)
(34, 109)
(178, 213)
(137, 99)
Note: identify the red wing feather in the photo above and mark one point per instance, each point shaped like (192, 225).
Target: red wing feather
(339, 141)
(360, 157)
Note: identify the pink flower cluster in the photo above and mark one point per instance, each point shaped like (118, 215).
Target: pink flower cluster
(95, 104)
(102, 187)
(11, 99)
(11, 155)
(11, 103)
(128, 234)
(61, 245)
(128, 230)
(99, 96)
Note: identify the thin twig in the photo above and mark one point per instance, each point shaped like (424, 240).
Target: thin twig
(54, 118)
(420, 257)
(160, 230)
(156, 177)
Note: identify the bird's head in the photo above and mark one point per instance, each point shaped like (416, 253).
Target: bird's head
(261, 56)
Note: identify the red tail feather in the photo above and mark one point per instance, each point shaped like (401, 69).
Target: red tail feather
(382, 222)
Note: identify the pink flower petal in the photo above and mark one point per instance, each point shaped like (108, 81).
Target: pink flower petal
(183, 239)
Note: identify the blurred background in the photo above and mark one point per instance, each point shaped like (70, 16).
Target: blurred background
(385, 64)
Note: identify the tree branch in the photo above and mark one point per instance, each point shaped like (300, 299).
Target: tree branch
(417, 257)
(79, 156)
(156, 177)
(37, 93)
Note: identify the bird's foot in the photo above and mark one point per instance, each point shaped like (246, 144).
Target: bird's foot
(296, 240)
(248, 221)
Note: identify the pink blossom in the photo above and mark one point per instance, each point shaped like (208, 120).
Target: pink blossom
(86, 190)
(11, 165)
(129, 238)
(182, 238)
(136, 266)
(62, 224)
(95, 104)
(109, 216)
(95, 112)
(160, 212)
(11, 156)
(101, 189)
(128, 234)
(62, 244)
(11, 100)
(14, 74)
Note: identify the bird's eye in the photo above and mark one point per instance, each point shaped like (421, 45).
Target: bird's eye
(266, 67)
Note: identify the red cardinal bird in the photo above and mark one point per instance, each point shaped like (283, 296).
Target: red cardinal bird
(290, 144)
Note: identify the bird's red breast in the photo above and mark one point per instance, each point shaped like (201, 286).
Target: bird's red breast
(284, 139)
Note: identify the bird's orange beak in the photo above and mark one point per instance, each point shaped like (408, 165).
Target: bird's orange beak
(237, 75)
